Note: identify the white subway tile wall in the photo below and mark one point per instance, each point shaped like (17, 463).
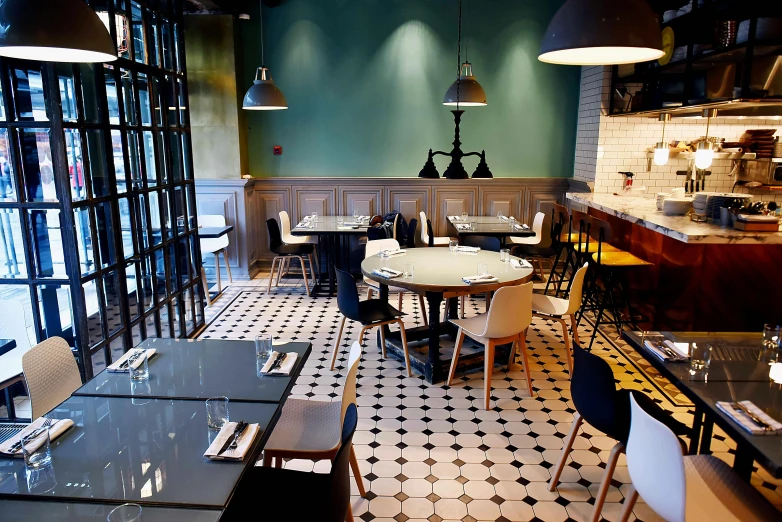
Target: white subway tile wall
(606, 145)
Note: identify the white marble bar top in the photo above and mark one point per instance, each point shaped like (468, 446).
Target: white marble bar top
(643, 211)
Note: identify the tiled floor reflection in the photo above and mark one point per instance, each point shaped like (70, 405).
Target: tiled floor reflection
(432, 452)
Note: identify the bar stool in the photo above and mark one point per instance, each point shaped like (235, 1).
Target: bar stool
(507, 320)
(427, 238)
(562, 237)
(289, 239)
(378, 245)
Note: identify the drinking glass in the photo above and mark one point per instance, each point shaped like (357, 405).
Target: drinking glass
(511, 222)
(36, 449)
(140, 390)
(356, 214)
(139, 370)
(473, 225)
(216, 412)
(464, 217)
(700, 356)
(40, 480)
(263, 346)
(314, 217)
(771, 336)
(499, 216)
(340, 221)
(452, 244)
(409, 269)
(483, 268)
(384, 262)
(125, 513)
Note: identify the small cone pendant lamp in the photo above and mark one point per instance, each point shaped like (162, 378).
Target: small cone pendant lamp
(263, 95)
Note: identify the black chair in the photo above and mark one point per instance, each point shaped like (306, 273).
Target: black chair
(492, 244)
(285, 252)
(370, 313)
(412, 227)
(607, 409)
(300, 495)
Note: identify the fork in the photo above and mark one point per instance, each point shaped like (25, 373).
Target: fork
(47, 423)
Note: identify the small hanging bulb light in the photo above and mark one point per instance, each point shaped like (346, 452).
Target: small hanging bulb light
(263, 95)
(704, 154)
(661, 151)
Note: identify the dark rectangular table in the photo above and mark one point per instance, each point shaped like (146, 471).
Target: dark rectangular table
(730, 377)
(6, 345)
(199, 369)
(489, 226)
(25, 511)
(146, 451)
(214, 232)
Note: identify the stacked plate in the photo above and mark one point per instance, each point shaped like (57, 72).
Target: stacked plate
(709, 203)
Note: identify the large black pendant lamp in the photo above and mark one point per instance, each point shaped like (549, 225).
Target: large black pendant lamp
(466, 90)
(263, 95)
(602, 32)
(54, 31)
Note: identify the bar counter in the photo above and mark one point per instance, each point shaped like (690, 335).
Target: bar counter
(704, 277)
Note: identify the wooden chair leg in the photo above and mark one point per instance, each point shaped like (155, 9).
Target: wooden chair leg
(206, 287)
(574, 325)
(217, 271)
(400, 302)
(600, 499)
(404, 347)
(525, 361)
(383, 340)
(456, 349)
(304, 273)
(227, 266)
(278, 462)
(488, 369)
(566, 449)
(271, 274)
(357, 472)
(361, 336)
(283, 262)
(627, 507)
(267, 459)
(349, 517)
(568, 350)
(461, 306)
(370, 292)
(336, 343)
(422, 304)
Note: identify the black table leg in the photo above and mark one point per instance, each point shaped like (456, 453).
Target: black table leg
(434, 370)
(695, 435)
(742, 464)
(332, 255)
(708, 426)
(9, 403)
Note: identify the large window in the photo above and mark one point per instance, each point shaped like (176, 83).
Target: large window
(98, 227)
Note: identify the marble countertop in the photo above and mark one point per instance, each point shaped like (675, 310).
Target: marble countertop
(643, 211)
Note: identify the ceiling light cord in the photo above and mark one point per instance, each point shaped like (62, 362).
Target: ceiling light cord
(263, 61)
(459, 59)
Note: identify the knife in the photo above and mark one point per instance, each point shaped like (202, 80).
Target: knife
(238, 430)
(278, 363)
(754, 418)
(130, 360)
(276, 360)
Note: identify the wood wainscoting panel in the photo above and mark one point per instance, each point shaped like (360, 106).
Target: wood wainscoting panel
(307, 200)
(367, 201)
(507, 201)
(452, 202)
(408, 201)
(267, 205)
(540, 201)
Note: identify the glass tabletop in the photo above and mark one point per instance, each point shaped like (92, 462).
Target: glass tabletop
(330, 225)
(143, 451)
(199, 369)
(36, 511)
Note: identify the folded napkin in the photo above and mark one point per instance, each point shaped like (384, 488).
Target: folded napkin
(392, 253)
(55, 430)
(353, 223)
(455, 218)
(468, 249)
(226, 434)
(520, 263)
(517, 226)
(285, 368)
(306, 218)
(462, 226)
(304, 224)
(480, 279)
(387, 273)
(347, 227)
(115, 367)
(504, 218)
(664, 352)
(746, 422)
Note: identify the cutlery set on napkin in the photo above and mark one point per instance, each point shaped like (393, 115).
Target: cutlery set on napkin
(520, 263)
(391, 252)
(750, 417)
(462, 226)
(280, 363)
(386, 273)
(233, 442)
(467, 249)
(56, 427)
(130, 358)
(517, 226)
(481, 279)
(668, 351)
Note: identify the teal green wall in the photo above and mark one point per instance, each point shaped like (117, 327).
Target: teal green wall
(365, 80)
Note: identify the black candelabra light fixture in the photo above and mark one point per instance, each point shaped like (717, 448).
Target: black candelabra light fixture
(465, 91)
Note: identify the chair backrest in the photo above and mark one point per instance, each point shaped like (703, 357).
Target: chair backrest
(213, 245)
(489, 243)
(285, 226)
(349, 391)
(601, 229)
(411, 230)
(510, 311)
(655, 464)
(424, 228)
(339, 494)
(537, 226)
(275, 238)
(51, 374)
(594, 393)
(13, 324)
(562, 216)
(396, 223)
(376, 245)
(347, 295)
(577, 290)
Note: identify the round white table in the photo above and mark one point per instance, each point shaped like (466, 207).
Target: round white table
(438, 274)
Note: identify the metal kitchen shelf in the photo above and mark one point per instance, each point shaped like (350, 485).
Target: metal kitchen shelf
(717, 155)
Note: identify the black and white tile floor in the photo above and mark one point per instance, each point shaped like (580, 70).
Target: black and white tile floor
(430, 452)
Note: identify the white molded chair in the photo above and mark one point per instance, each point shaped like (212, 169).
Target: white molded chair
(507, 320)
(537, 227)
(683, 488)
(214, 246)
(438, 241)
(51, 373)
(289, 239)
(312, 429)
(378, 245)
(557, 309)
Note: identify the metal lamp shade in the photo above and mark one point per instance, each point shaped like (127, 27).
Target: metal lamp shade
(602, 32)
(470, 92)
(54, 31)
(263, 95)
